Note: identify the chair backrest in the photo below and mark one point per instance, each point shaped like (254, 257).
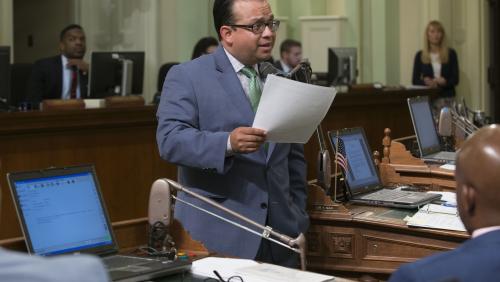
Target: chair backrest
(162, 73)
(20, 75)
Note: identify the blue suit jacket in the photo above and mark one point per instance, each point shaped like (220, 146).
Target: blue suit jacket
(476, 260)
(201, 103)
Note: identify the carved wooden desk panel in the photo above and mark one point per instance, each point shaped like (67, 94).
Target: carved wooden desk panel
(402, 168)
(365, 239)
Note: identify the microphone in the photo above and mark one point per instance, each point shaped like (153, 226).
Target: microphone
(266, 68)
(297, 245)
(444, 125)
(302, 72)
(159, 217)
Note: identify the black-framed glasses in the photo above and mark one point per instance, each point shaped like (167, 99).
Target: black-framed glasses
(234, 278)
(259, 27)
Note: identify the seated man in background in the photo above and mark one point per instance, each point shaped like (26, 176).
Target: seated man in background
(291, 55)
(64, 76)
(478, 198)
(19, 267)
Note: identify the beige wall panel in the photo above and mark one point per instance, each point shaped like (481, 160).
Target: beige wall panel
(318, 34)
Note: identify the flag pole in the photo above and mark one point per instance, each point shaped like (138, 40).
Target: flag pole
(336, 166)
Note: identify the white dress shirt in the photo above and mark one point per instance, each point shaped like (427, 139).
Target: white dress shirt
(481, 231)
(66, 87)
(436, 65)
(245, 81)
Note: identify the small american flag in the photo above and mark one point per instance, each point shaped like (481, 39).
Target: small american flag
(340, 155)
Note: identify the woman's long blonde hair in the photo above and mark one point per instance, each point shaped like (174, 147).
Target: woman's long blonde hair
(443, 46)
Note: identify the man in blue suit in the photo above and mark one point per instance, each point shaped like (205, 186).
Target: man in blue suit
(204, 126)
(478, 198)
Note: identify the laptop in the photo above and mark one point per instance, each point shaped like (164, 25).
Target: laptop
(425, 130)
(61, 211)
(361, 176)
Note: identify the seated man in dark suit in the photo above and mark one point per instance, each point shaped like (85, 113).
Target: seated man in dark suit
(290, 55)
(478, 197)
(64, 76)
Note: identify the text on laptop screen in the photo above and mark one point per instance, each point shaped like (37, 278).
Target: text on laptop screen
(63, 213)
(424, 125)
(361, 172)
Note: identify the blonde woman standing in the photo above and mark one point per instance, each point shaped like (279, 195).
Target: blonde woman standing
(436, 65)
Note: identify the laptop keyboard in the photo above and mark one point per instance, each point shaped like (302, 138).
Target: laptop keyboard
(121, 261)
(444, 156)
(386, 194)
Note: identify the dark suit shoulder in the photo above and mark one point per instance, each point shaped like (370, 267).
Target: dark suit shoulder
(418, 54)
(49, 61)
(452, 54)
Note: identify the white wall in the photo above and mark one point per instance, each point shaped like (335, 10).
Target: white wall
(6, 24)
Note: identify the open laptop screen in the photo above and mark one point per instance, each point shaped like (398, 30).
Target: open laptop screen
(423, 123)
(61, 213)
(362, 175)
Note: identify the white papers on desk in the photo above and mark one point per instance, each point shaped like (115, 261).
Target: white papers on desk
(450, 198)
(448, 167)
(416, 87)
(290, 111)
(252, 271)
(438, 217)
(226, 267)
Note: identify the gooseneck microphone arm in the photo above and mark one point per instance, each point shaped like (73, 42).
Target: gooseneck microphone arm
(295, 244)
(324, 170)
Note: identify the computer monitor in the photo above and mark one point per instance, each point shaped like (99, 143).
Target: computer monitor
(116, 73)
(5, 93)
(342, 62)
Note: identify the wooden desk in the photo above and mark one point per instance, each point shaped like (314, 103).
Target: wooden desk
(364, 239)
(120, 142)
(372, 109)
(376, 240)
(398, 166)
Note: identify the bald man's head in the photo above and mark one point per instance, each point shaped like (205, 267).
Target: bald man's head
(478, 179)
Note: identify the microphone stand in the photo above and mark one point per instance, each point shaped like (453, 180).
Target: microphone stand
(297, 245)
(324, 171)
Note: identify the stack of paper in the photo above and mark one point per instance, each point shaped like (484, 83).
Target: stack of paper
(251, 271)
(438, 217)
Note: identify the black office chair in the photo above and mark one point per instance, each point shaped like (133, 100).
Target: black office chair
(19, 76)
(162, 73)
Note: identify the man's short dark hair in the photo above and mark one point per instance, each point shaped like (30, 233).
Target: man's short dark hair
(223, 14)
(68, 28)
(287, 44)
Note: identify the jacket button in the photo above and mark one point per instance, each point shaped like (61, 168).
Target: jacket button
(263, 205)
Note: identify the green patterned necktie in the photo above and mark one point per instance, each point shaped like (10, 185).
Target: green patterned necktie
(253, 86)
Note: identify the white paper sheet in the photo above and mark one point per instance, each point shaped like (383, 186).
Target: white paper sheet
(252, 271)
(290, 111)
(448, 166)
(438, 217)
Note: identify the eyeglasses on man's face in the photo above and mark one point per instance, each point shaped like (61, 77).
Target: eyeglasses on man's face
(259, 27)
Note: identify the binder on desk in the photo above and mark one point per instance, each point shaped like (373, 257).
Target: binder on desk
(437, 217)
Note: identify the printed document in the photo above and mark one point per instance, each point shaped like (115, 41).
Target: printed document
(251, 271)
(438, 217)
(290, 111)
